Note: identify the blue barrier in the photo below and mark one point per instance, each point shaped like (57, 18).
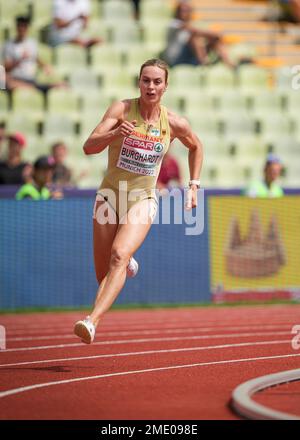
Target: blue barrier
(46, 258)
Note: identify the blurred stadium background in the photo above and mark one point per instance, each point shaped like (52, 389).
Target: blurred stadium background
(240, 116)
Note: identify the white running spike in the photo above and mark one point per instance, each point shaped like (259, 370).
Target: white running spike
(132, 268)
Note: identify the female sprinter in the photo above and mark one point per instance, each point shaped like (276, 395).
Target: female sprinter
(138, 133)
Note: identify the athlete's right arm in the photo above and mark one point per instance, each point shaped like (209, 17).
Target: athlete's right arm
(111, 127)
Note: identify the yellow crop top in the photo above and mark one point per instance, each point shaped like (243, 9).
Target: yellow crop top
(137, 158)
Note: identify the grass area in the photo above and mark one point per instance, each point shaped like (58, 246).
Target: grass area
(129, 307)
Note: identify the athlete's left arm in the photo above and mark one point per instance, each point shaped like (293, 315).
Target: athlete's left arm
(181, 129)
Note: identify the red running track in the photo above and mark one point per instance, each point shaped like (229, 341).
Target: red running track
(164, 364)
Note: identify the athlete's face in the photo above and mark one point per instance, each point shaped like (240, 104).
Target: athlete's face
(152, 84)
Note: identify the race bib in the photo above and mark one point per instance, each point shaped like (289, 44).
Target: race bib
(140, 156)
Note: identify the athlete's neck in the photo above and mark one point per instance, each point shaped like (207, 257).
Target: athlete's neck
(149, 112)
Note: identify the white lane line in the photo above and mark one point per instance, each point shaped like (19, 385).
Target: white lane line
(144, 323)
(146, 332)
(138, 353)
(126, 373)
(145, 340)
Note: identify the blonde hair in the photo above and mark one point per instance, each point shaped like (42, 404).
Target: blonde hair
(157, 63)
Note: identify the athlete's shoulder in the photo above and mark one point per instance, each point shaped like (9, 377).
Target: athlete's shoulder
(179, 125)
(118, 109)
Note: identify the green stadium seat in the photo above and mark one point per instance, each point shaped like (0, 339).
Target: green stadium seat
(93, 167)
(293, 101)
(119, 81)
(229, 174)
(136, 55)
(292, 177)
(186, 77)
(267, 100)
(237, 125)
(97, 28)
(199, 100)
(58, 126)
(46, 53)
(253, 77)
(156, 9)
(69, 57)
(251, 147)
(106, 58)
(42, 11)
(94, 102)
(154, 37)
(4, 105)
(220, 76)
(203, 122)
(18, 121)
(173, 101)
(287, 146)
(63, 101)
(88, 123)
(232, 100)
(9, 9)
(125, 34)
(283, 78)
(83, 81)
(273, 122)
(117, 9)
(95, 9)
(28, 100)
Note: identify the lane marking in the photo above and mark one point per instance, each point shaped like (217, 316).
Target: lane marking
(138, 353)
(135, 341)
(146, 332)
(126, 373)
(109, 323)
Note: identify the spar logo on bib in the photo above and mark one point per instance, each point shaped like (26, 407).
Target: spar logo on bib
(158, 147)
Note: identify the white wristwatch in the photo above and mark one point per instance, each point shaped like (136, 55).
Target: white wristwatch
(194, 182)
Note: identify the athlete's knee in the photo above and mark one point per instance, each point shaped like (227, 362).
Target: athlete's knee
(119, 256)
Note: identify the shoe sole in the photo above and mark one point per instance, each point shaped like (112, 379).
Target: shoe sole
(82, 332)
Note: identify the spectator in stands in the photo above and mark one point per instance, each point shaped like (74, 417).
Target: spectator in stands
(2, 136)
(169, 174)
(21, 59)
(290, 10)
(14, 171)
(70, 18)
(37, 188)
(61, 173)
(284, 10)
(136, 4)
(186, 44)
(268, 186)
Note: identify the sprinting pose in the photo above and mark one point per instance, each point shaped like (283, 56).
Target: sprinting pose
(138, 133)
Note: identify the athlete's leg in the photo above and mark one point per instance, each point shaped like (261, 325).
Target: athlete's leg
(128, 239)
(104, 233)
(105, 226)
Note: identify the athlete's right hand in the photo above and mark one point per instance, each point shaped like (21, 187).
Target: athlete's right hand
(126, 128)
